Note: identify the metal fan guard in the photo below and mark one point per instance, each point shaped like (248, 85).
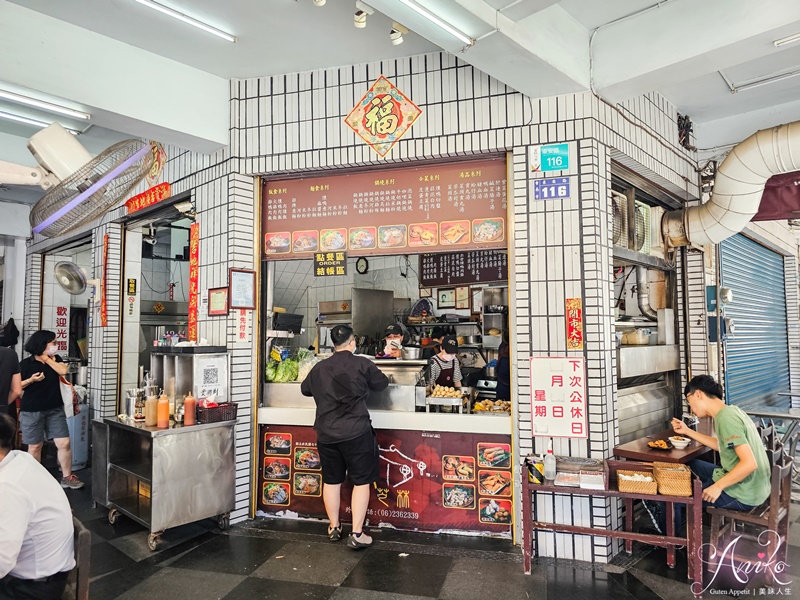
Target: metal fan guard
(102, 200)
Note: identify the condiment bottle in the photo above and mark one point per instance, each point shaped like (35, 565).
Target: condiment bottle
(163, 412)
(550, 463)
(151, 412)
(189, 409)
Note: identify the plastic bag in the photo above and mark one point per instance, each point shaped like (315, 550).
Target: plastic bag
(305, 364)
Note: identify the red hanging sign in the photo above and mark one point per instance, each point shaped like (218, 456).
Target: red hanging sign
(103, 285)
(194, 283)
(574, 310)
(152, 196)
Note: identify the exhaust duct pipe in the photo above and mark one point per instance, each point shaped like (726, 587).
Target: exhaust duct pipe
(738, 187)
(643, 295)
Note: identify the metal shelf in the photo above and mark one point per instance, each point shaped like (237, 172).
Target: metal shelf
(443, 324)
(140, 470)
(136, 507)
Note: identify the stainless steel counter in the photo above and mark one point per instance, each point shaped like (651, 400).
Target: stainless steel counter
(396, 397)
(173, 429)
(163, 478)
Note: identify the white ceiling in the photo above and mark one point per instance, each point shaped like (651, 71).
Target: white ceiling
(283, 36)
(274, 36)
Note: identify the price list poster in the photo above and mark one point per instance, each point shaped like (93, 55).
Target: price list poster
(558, 396)
(403, 210)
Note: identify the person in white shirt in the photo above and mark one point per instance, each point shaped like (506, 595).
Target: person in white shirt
(36, 534)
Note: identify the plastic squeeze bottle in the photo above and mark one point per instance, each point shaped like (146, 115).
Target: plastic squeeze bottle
(550, 463)
(151, 411)
(163, 412)
(189, 409)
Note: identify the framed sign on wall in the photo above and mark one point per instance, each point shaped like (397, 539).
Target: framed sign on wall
(242, 289)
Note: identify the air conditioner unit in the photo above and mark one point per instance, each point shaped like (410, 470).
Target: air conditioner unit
(641, 230)
(619, 206)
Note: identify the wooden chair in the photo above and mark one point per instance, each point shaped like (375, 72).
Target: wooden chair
(78, 580)
(773, 515)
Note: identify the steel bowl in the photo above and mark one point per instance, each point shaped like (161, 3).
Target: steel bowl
(411, 352)
(472, 339)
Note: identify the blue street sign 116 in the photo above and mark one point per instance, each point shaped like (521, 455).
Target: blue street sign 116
(551, 189)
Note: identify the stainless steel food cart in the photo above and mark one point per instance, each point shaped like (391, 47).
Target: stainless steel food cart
(163, 478)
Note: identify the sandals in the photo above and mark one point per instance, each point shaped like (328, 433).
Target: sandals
(335, 533)
(354, 543)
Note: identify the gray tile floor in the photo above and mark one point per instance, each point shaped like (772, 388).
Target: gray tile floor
(290, 560)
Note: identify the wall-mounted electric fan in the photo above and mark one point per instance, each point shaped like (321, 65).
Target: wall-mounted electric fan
(79, 188)
(71, 278)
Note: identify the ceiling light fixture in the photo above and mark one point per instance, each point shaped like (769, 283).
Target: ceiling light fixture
(396, 34)
(362, 10)
(44, 105)
(186, 19)
(319, 2)
(28, 121)
(789, 39)
(437, 21)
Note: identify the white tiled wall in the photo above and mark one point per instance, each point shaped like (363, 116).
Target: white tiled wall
(293, 123)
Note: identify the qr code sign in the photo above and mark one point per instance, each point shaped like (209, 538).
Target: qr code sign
(210, 376)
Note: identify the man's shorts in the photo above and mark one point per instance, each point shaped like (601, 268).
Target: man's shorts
(46, 424)
(357, 458)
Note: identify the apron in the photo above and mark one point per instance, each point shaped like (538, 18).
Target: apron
(448, 371)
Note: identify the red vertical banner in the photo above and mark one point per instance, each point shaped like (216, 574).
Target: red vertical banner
(574, 310)
(194, 283)
(104, 285)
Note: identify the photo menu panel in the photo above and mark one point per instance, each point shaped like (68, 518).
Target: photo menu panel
(404, 210)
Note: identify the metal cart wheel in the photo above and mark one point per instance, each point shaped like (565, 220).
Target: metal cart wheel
(113, 516)
(224, 521)
(153, 541)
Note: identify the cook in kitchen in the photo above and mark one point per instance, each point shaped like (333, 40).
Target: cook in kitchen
(393, 336)
(445, 366)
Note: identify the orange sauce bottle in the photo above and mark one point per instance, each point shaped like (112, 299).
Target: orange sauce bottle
(163, 412)
(189, 409)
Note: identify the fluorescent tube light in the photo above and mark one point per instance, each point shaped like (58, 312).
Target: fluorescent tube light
(790, 39)
(435, 20)
(44, 105)
(28, 121)
(186, 19)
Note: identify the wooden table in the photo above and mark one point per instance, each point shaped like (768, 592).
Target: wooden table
(639, 450)
(694, 519)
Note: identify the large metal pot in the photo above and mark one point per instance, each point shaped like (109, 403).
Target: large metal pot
(472, 339)
(490, 371)
(411, 352)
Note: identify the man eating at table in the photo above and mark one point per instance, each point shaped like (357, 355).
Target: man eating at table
(742, 481)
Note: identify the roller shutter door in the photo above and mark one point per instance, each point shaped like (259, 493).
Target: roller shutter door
(757, 354)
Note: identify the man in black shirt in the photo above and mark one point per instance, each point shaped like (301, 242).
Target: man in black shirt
(346, 441)
(10, 380)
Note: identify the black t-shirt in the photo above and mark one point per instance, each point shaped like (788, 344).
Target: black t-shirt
(40, 395)
(340, 386)
(9, 366)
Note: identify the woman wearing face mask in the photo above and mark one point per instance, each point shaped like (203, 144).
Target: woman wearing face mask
(42, 411)
(445, 367)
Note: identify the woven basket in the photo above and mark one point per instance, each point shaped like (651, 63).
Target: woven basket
(223, 412)
(673, 479)
(636, 487)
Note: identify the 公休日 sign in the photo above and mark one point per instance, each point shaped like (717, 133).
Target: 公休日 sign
(551, 189)
(558, 396)
(549, 157)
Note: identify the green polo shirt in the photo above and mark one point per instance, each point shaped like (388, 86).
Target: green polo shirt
(735, 428)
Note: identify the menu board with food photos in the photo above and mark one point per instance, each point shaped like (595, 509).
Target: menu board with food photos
(403, 210)
(429, 481)
(463, 268)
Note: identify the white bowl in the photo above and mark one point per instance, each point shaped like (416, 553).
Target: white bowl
(680, 443)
